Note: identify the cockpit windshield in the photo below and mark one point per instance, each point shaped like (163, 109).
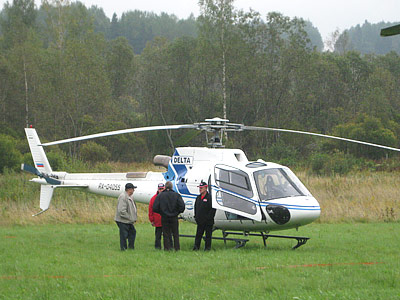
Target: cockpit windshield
(278, 183)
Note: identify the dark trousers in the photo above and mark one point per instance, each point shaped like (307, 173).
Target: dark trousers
(199, 234)
(126, 231)
(158, 233)
(170, 227)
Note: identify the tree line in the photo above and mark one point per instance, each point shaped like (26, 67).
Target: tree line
(366, 39)
(67, 78)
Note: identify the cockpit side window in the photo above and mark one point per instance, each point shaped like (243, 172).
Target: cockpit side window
(233, 180)
(276, 183)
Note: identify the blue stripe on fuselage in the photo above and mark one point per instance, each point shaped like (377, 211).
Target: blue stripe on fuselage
(289, 206)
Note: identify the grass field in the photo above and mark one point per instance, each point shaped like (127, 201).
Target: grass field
(75, 261)
(72, 251)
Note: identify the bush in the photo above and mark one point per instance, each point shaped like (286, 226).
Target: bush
(317, 163)
(367, 129)
(5, 130)
(94, 152)
(339, 163)
(27, 159)
(76, 165)
(127, 148)
(10, 157)
(336, 163)
(57, 159)
(102, 167)
(388, 165)
(283, 154)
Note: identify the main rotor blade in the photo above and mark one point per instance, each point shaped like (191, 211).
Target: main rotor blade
(321, 135)
(103, 134)
(392, 30)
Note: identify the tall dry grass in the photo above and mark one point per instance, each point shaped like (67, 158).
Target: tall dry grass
(74, 208)
(360, 197)
(19, 199)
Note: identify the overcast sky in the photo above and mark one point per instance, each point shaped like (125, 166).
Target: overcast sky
(326, 15)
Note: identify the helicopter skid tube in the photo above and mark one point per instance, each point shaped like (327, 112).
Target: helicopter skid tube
(300, 239)
(239, 242)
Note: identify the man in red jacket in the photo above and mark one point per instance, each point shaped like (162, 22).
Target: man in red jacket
(155, 218)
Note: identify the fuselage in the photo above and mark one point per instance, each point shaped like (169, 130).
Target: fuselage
(248, 196)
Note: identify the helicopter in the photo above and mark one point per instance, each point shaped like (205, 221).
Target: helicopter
(251, 198)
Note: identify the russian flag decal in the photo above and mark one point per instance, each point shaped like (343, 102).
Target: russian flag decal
(40, 165)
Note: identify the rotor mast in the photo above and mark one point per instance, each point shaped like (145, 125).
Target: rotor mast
(217, 127)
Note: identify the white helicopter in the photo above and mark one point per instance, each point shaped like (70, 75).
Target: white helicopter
(251, 197)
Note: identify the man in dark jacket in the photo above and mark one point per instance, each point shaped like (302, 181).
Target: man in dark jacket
(169, 204)
(204, 216)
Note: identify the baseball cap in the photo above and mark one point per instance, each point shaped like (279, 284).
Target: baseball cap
(161, 185)
(130, 186)
(202, 184)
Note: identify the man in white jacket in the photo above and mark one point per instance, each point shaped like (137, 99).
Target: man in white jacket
(126, 216)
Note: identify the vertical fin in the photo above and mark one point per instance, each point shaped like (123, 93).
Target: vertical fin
(42, 165)
(46, 192)
(38, 154)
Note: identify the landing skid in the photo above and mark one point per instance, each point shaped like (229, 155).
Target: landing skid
(300, 240)
(241, 242)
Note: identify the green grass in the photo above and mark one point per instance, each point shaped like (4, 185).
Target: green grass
(73, 261)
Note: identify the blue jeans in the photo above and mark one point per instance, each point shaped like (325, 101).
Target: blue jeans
(126, 231)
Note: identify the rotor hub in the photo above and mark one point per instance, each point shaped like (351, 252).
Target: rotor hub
(217, 127)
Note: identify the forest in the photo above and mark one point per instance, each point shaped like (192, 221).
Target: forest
(68, 70)
(366, 39)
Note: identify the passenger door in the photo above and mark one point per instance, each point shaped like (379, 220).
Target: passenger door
(231, 191)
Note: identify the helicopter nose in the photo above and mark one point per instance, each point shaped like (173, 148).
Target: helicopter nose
(312, 212)
(306, 213)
